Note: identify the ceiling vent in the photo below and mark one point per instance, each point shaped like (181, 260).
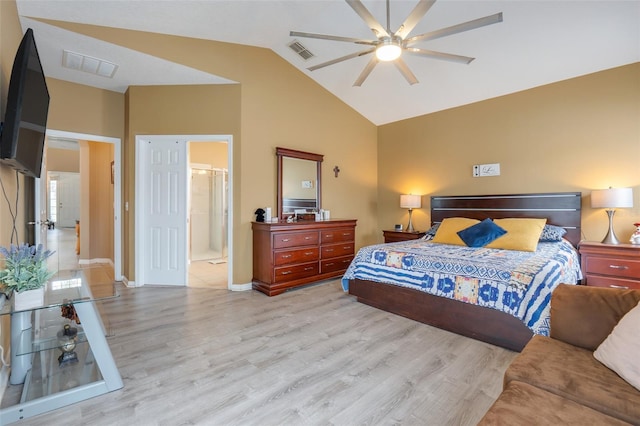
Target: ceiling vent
(77, 61)
(302, 51)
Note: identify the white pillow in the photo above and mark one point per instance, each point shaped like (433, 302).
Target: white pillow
(620, 351)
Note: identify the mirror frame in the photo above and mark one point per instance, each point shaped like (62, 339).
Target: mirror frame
(291, 153)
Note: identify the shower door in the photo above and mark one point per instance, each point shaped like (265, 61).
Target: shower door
(208, 214)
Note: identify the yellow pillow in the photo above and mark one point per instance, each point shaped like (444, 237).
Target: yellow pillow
(522, 234)
(447, 232)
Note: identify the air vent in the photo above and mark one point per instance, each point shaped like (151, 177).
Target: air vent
(80, 62)
(302, 51)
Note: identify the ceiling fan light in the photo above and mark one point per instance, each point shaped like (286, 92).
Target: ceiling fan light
(388, 51)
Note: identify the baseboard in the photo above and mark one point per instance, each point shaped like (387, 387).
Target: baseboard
(240, 287)
(128, 283)
(4, 379)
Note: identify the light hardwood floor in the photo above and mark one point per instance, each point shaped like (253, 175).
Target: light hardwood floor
(313, 356)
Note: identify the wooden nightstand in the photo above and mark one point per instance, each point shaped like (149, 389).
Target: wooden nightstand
(395, 236)
(607, 265)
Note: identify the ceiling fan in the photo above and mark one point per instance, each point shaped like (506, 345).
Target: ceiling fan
(389, 46)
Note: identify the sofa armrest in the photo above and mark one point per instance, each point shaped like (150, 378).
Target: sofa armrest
(584, 316)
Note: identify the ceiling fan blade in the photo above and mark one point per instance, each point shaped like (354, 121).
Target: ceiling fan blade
(406, 72)
(439, 55)
(454, 29)
(366, 71)
(343, 58)
(368, 18)
(414, 17)
(330, 37)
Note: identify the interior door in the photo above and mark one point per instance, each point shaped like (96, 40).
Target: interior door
(165, 211)
(68, 200)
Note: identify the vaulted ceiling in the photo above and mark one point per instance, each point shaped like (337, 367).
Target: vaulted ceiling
(538, 42)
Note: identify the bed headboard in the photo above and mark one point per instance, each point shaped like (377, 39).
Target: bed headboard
(559, 208)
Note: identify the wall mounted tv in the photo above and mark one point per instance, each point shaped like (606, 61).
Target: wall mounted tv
(25, 120)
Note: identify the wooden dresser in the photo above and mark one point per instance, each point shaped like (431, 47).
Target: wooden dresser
(287, 255)
(607, 265)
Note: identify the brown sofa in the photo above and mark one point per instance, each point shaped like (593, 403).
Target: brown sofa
(556, 379)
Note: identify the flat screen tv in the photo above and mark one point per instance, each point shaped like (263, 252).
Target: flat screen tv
(25, 120)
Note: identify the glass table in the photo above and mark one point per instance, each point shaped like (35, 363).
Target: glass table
(49, 380)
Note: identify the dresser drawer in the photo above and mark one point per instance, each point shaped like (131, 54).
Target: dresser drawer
(295, 239)
(619, 267)
(296, 256)
(600, 281)
(333, 265)
(337, 235)
(294, 272)
(337, 250)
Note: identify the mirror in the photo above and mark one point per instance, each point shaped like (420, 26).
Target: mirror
(299, 183)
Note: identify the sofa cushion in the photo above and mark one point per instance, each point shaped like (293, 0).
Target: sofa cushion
(573, 373)
(584, 316)
(620, 350)
(521, 404)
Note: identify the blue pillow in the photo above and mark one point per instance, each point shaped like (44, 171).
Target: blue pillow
(481, 234)
(551, 233)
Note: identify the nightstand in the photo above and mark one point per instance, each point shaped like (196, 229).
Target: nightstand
(395, 236)
(608, 265)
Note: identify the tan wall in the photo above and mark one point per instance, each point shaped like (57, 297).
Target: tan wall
(576, 135)
(212, 153)
(63, 160)
(100, 215)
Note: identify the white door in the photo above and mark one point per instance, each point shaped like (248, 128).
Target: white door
(68, 208)
(164, 199)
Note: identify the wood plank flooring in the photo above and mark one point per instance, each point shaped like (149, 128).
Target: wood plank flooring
(313, 356)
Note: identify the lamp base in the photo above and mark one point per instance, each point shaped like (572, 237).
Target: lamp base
(410, 225)
(610, 238)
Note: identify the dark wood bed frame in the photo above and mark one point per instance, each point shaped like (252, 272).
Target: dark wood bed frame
(487, 325)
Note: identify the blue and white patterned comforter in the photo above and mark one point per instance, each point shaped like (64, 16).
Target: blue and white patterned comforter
(516, 282)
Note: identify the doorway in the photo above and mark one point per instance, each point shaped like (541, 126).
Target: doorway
(69, 142)
(150, 180)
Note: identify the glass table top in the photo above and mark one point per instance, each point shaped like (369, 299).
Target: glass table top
(73, 286)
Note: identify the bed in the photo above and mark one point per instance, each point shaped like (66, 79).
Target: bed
(476, 310)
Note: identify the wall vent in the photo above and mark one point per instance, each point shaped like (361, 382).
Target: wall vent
(302, 51)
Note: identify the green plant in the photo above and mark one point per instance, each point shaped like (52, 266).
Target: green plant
(25, 267)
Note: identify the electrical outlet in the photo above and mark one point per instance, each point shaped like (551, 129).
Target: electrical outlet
(307, 184)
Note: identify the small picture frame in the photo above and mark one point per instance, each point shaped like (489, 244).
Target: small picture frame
(398, 227)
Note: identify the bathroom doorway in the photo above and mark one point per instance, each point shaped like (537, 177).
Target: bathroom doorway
(208, 215)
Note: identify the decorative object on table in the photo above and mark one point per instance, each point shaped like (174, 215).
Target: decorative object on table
(69, 312)
(635, 237)
(259, 215)
(611, 199)
(410, 202)
(25, 274)
(67, 340)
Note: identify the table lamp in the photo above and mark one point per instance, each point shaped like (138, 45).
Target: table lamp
(410, 202)
(611, 199)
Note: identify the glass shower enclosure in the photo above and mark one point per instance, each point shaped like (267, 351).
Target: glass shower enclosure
(208, 217)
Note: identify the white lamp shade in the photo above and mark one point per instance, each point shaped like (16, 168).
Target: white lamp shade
(410, 201)
(612, 198)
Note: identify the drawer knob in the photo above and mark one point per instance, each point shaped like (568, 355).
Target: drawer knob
(618, 267)
(329, 264)
(307, 238)
(286, 256)
(624, 287)
(309, 253)
(308, 268)
(329, 249)
(285, 240)
(285, 272)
